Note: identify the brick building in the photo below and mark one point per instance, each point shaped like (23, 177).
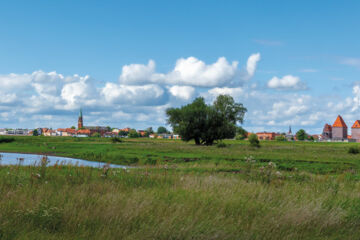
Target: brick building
(339, 129)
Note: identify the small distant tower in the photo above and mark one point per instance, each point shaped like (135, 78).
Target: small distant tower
(80, 120)
(290, 132)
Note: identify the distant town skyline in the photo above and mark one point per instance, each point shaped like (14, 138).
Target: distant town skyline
(124, 63)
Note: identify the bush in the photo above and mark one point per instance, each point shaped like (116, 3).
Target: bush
(96, 134)
(221, 145)
(116, 140)
(280, 138)
(240, 137)
(353, 150)
(254, 141)
(6, 139)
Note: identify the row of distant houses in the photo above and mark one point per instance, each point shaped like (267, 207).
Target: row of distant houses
(15, 132)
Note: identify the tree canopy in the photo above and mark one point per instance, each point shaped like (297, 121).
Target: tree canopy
(301, 135)
(162, 130)
(207, 123)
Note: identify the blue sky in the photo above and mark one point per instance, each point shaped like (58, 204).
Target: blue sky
(58, 56)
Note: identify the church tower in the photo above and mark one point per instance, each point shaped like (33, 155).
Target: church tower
(80, 120)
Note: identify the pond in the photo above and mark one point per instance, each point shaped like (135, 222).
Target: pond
(35, 159)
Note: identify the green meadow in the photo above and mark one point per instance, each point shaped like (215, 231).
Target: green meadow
(177, 190)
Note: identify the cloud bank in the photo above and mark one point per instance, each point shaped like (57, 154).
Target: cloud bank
(141, 95)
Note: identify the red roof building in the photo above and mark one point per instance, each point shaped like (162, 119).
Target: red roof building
(355, 130)
(339, 129)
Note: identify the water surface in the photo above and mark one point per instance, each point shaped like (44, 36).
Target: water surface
(35, 159)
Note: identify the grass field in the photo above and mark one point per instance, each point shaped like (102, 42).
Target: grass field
(307, 156)
(283, 190)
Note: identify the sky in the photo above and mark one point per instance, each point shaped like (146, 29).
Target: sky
(125, 62)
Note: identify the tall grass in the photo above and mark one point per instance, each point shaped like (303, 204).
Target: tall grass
(174, 203)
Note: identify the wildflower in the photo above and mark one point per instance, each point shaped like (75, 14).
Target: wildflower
(271, 164)
(278, 174)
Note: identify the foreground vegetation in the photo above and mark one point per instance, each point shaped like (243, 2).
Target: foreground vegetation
(169, 203)
(282, 190)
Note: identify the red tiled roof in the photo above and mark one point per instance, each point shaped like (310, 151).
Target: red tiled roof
(339, 122)
(356, 124)
(84, 131)
(327, 128)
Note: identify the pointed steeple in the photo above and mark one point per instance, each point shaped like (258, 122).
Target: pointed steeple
(290, 130)
(80, 120)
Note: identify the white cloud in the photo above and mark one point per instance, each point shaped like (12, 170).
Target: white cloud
(287, 82)
(194, 72)
(182, 92)
(356, 99)
(234, 92)
(252, 64)
(79, 93)
(135, 74)
(150, 94)
(191, 72)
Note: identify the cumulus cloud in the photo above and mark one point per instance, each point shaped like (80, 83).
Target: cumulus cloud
(234, 92)
(182, 92)
(150, 94)
(287, 82)
(191, 72)
(252, 63)
(135, 74)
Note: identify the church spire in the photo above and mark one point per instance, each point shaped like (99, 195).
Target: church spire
(80, 120)
(290, 130)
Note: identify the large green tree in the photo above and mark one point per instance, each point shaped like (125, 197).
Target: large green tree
(207, 123)
(162, 130)
(301, 135)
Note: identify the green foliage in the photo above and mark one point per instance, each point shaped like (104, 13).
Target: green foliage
(123, 133)
(254, 141)
(207, 123)
(241, 133)
(35, 133)
(354, 150)
(221, 145)
(116, 140)
(96, 134)
(162, 130)
(73, 127)
(280, 138)
(42, 217)
(6, 139)
(311, 138)
(301, 135)
(133, 134)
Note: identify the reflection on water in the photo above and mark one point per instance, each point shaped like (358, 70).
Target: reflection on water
(33, 159)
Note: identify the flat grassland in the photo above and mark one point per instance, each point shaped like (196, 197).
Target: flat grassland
(283, 190)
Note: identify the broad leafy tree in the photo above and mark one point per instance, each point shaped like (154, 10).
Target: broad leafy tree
(162, 130)
(207, 123)
(301, 135)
